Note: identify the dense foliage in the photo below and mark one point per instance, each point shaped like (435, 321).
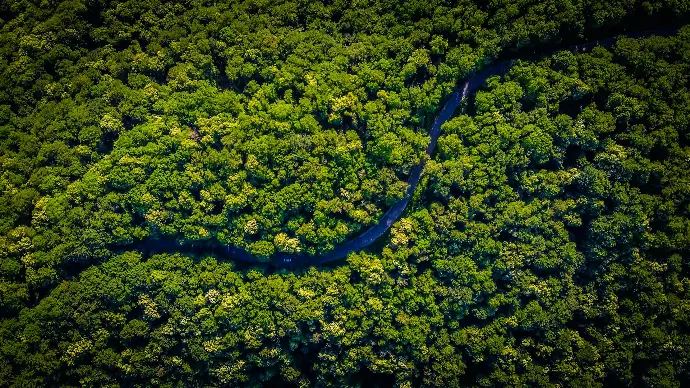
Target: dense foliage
(546, 245)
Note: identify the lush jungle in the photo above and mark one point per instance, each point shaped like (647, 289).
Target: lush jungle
(547, 243)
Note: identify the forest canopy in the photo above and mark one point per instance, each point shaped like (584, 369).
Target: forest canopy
(547, 243)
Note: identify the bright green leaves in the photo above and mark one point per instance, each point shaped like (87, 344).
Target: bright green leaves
(538, 145)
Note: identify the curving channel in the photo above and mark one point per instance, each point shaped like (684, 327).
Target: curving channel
(167, 244)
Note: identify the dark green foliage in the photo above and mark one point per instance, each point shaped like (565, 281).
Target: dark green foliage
(546, 245)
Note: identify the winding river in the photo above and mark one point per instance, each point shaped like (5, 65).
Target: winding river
(394, 213)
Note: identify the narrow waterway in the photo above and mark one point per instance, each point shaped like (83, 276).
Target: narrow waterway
(394, 213)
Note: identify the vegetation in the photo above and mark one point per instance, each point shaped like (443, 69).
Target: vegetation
(547, 243)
